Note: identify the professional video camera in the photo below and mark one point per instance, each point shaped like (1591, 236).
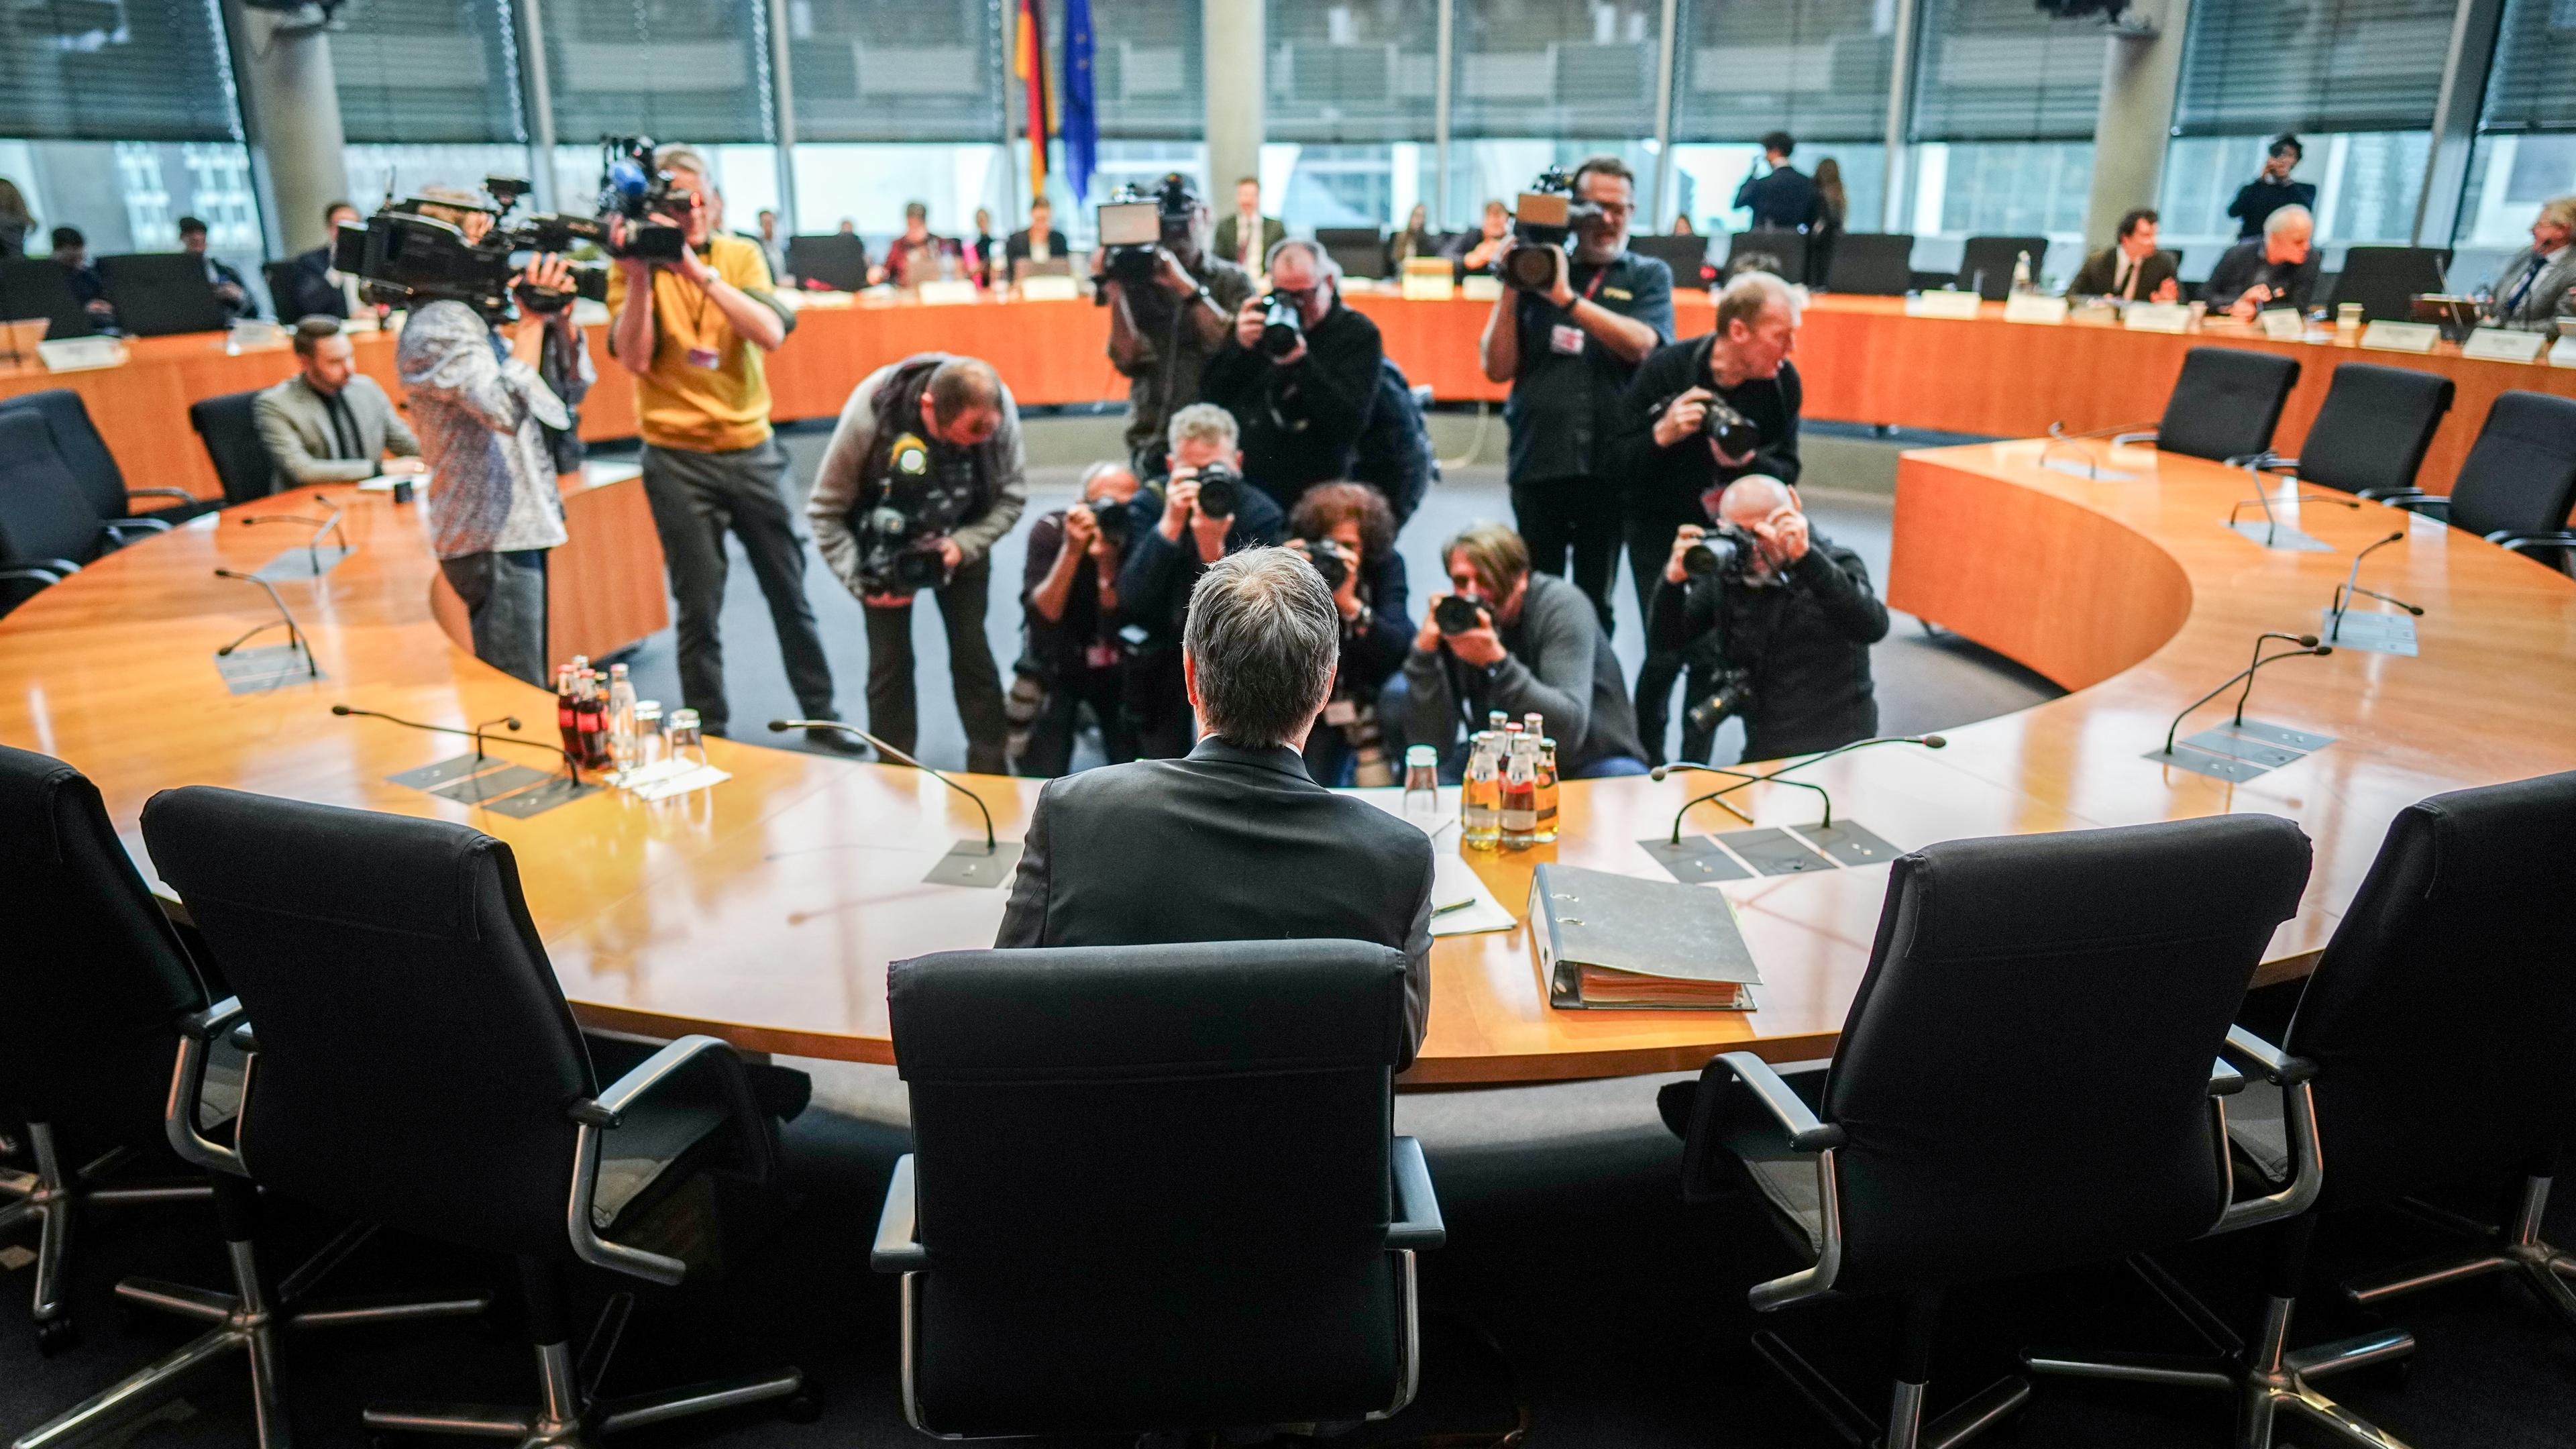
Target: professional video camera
(1282, 330)
(1543, 221)
(1733, 695)
(1724, 552)
(1457, 613)
(894, 557)
(1733, 432)
(1135, 220)
(1220, 490)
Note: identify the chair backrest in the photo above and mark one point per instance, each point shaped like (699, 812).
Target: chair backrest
(43, 513)
(1872, 264)
(285, 291)
(415, 1054)
(76, 439)
(838, 262)
(2024, 1075)
(2442, 1017)
(1784, 253)
(2373, 428)
(2386, 280)
(42, 287)
(1360, 249)
(2520, 475)
(94, 980)
(229, 424)
(1687, 256)
(1152, 1183)
(157, 294)
(2226, 403)
(1986, 263)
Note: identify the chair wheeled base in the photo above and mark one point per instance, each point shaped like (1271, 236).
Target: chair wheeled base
(2518, 1249)
(48, 1197)
(1905, 1428)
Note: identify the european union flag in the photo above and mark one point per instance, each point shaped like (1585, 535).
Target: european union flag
(1081, 131)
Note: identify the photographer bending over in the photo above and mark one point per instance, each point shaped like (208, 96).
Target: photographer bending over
(1203, 512)
(1069, 619)
(1775, 624)
(923, 476)
(1700, 415)
(1348, 532)
(1520, 642)
(1302, 376)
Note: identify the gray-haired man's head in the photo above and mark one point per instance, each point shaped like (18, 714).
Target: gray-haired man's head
(1261, 646)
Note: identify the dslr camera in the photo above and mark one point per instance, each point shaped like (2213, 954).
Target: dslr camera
(1281, 328)
(1733, 695)
(1220, 490)
(1724, 552)
(1117, 522)
(893, 556)
(1732, 431)
(1134, 221)
(1543, 220)
(1457, 614)
(1330, 559)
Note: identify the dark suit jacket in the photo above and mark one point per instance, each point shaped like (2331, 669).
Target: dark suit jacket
(1784, 197)
(1018, 246)
(2243, 265)
(1228, 844)
(315, 296)
(1227, 243)
(2097, 277)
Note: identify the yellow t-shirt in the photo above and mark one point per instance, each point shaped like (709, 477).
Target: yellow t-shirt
(678, 403)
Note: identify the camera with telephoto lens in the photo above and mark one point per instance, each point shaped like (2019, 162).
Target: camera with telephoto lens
(1134, 221)
(894, 558)
(1281, 328)
(1733, 432)
(1543, 221)
(1116, 521)
(1220, 490)
(1457, 614)
(1330, 559)
(1733, 695)
(1724, 552)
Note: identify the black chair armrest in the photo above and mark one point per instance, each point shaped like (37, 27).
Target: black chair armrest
(2246, 1050)
(47, 577)
(63, 566)
(198, 1033)
(2131, 440)
(2525, 542)
(1417, 1209)
(2225, 1080)
(595, 1116)
(118, 528)
(1806, 1134)
(182, 494)
(898, 1248)
(2293, 1075)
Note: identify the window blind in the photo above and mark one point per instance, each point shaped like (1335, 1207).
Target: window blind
(2533, 85)
(2255, 66)
(1146, 68)
(115, 70)
(922, 70)
(1351, 72)
(1817, 69)
(1562, 72)
(2002, 70)
(421, 72)
(694, 71)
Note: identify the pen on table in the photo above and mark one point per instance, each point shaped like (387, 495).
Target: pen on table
(1439, 911)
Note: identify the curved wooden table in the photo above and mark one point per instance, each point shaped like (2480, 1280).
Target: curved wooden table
(767, 909)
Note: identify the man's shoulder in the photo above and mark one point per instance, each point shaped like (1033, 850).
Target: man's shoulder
(735, 258)
(279, 395)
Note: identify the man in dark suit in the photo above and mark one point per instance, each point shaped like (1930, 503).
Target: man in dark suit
(318, 290)
(1235, 842)
(230, 290)
(2278, 268)
(1782, 198)
(1039, 241)
(1245, 236)
(2131, 268)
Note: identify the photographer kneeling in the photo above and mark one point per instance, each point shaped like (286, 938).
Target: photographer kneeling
(1198, 515)
(923, 476)
(1775, 624)
(1699, 415)
(1348, 532)
(1520, 642)
(1301, 376)
(1069, 624)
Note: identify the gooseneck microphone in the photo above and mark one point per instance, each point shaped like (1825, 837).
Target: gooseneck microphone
(294, 632)
(2057, 434)
(2307, 645)
(2351, 585)
(1929, 742)
(475, 734)
(313, 545)
(507, 721)
(782, 726)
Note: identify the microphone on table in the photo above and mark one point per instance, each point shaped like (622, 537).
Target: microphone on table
(322, 525)
(782, 726)
(2307, 645)
(475, 734)
(294, 632)
(2057, 434)
(2352, 585)
(509, 721)
(1929, 742)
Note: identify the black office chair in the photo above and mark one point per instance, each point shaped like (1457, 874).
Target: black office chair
(229, 427)
(1872, 264)
(1986, 263)
(1361, 250)
(47, 531)
(1784, 253)
(93, 986)
(1154, 1189)
(2412, 1080)
(42, 287)
(2224, 406)
(2371, 432)
(2518, 484)
(2386, 280)
(838, 262)
(415, 1066)
(2025, 1082)
(95, 469)
(159, 294)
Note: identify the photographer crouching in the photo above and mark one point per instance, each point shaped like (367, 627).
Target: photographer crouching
(1699, 415)
(1069, 616)
(923, 476)
(1347, 531)
(1301, 377)
(1200, 513)
(1774, 623)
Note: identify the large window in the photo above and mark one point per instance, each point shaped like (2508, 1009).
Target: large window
(2005, 99)
(1818, 69)
(1707, 175)
(1146, 69)
(1342, 73)
(2368, 185)
(2526, 151)
(921, 70)
(869, 185)
(675, 70)
(1549, 71)
(421, 72)
(144, 70)
(2508, 180)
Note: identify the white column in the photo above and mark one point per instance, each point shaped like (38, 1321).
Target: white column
(1235, 33)
(2140, 74)
(291, 115)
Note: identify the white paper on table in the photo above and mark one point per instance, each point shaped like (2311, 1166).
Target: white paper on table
(1454, 881)
(663, 786)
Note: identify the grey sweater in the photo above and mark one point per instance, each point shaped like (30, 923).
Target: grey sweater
(837, 484)
(1557, 663)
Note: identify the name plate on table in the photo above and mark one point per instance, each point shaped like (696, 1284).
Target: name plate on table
(2401, 336)
(80, 354)
(2564, 354)
(253, 335)
(1049, 289)
(947, 292)
(1481, 288)
(2031, 307)
(1955, 305)
(2282, 324)
(2503, 344)
(1429, 279)
(2157, 317)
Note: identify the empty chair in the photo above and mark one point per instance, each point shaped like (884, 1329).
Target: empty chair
(2518, 483)
(41, 287)
(1783, 253)
(47, 531)
(839, 263)
(2385, 281)
(1154, 1188)
(1872, 264)
(1686, 256)
(229, 427)
(2225, 404)
(2371, 432)
(1360, 250)
(1986, 263)
(2025, 1082)
(94, 468)
(157, 294)
(415, 1066)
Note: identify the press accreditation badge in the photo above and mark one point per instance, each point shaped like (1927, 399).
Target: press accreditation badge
(704, 357)
(1342, 712)
(1565, 338)
(1100, 656)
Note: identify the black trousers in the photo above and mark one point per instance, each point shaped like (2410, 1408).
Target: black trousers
(1577, 518)
(1050, 751)
(892, 711)
(1649, 525)
(696, 499)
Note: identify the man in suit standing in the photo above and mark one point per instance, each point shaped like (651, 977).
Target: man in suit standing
(1235, 842)
(1782, 198)
(228, 285)
(2537, 285)
(1039, 241)
(1246, 237)
(318, 289)
(2131, 268)
(2271, 189)
(331, 423)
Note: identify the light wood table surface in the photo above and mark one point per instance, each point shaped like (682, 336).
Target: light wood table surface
(767, 909)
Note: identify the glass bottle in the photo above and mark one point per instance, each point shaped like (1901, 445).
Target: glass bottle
(567, 711)
(1480, 799)
(1520, 794)
(1422, 786)
(621, 718)
(1546, 831)
(2021, 281)
(590, 710)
